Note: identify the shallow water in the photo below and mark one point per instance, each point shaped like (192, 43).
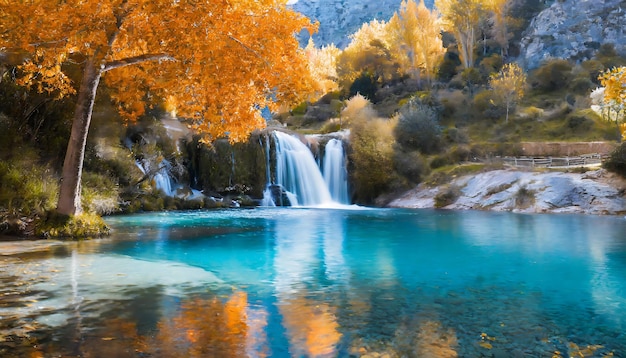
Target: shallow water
(277, 282)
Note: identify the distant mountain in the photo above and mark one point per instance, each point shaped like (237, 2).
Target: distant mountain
(340, 18)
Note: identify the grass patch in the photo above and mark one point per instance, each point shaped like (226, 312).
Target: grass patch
(446, 174)
(82, 226)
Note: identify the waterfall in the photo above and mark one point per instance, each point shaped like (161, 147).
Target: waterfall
(335, 172)
(161, 178)
(267, 193)
(298, 173)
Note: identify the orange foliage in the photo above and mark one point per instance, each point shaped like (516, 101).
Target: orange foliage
(205, 328)
(312, 327)
(218, 60)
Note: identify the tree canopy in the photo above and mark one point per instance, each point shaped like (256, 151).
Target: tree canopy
(216, 61)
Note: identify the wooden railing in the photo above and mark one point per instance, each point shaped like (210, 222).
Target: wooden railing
(554, 162)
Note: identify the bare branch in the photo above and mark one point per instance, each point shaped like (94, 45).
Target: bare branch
(135, 60)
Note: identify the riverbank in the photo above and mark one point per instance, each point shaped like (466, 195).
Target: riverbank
(596, 192)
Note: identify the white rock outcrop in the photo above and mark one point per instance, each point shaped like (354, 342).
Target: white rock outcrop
(597, 192)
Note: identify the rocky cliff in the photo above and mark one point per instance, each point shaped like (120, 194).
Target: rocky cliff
(595, 192)
(340, 18)
(574, 29)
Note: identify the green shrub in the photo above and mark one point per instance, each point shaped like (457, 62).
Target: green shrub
(410, 165)
(485, 106)
(616, 162)
(453, 135)
(27, 189)
(448, 67)
(82, 226)
(581, 85)
(300, 109)
(418, 127)
(439, 161)
(552, 75)
(364, 85)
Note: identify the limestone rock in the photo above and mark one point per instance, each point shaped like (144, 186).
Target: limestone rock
(597, 192)
(574, 29)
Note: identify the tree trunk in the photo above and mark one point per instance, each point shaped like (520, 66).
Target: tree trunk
(69, 194)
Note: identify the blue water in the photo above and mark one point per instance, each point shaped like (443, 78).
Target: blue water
(310, 282)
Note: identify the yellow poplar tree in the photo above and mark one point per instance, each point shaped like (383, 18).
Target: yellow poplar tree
(614, 83)
(508, 85)
(462, 18)
(323, 66)
(416, 30)
(369, 47)
(216, 61)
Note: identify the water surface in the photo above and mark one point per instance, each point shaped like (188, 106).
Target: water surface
(280, 282)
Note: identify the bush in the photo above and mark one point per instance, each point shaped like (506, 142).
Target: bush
(616, 162)
(357, 107)
(454, 135)
(364, 85)
(27, 189)
(552, 75)
(485, 107)
(418, 127)
(410, 165)
(300, 109)
(531, 112)
(372, 156)
(581, 85)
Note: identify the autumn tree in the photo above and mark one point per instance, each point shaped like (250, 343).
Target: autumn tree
(462, 19)
(500, 23)
(217, 61)
(508, 86)
(323, 66)
(416, 32)
(614, 100)
(367, 53)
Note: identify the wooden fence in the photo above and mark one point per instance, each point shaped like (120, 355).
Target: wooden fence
(554, 162)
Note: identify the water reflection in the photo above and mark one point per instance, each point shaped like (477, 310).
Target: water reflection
(311, 325)
(324, 283)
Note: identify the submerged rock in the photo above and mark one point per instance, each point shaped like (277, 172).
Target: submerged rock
(597, 192)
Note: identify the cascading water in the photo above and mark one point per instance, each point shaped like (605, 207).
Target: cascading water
(298, 173)
(161, 177)
(335, 173)
(267, 193)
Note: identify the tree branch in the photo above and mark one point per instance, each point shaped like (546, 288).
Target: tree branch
(135, 60)
(248, 48)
